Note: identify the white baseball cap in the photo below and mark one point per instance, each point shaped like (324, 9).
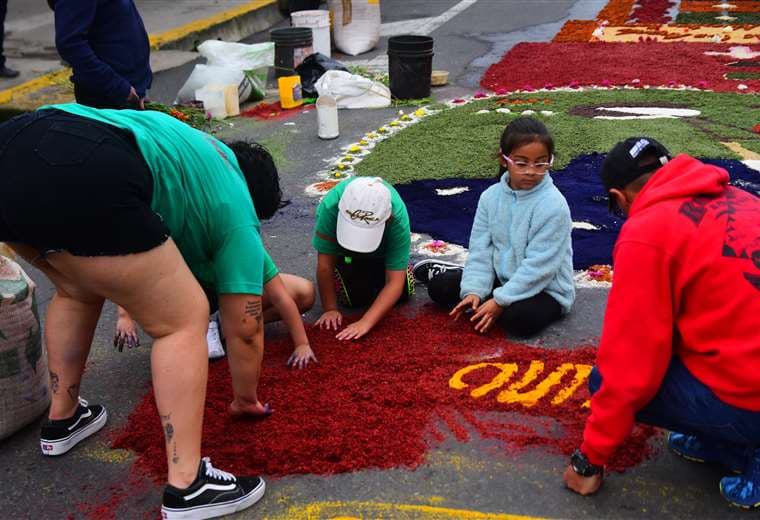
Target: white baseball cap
(363, 210)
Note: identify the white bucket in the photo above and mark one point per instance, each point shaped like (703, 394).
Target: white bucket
(327, 117)
(319, 23)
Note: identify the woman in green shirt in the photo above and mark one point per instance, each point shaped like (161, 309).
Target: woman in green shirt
(141, 209)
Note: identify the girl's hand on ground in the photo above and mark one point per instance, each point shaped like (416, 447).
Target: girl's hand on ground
(126, 334)
(354, 331)
(468, 302)
(486, 316)
(301, 356)
(330, 320)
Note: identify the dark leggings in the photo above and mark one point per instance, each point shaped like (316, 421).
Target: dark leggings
(523, 318)
(358, 281)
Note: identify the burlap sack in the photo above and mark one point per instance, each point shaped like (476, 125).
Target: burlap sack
(23, 365)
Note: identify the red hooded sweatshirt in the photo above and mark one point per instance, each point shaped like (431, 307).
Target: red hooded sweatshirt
(687, 284)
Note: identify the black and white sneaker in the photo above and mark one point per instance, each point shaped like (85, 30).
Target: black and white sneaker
(213, 493)
(58, 437)
(426, 270)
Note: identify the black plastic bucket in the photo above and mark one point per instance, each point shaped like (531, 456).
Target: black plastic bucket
(410, 66)
(291, 46)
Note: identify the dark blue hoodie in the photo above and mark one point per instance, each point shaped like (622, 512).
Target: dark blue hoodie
(106, 44)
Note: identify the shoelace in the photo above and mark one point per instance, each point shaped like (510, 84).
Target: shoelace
(213, 472)
(83, 402)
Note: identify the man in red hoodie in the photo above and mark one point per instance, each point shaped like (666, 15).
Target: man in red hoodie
(680, 345)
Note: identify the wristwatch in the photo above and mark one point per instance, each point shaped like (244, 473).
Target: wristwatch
(583, 467)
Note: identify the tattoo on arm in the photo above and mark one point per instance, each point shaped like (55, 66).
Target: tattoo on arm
(253, 309)
(169, 432)
(73, 392)
(54, 382)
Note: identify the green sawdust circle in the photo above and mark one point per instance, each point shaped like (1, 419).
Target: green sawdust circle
(459, 143)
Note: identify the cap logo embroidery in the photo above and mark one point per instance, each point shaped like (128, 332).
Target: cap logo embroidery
(638, 147)
(368, 217)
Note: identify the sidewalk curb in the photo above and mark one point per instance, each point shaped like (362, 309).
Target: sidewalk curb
(231, 25)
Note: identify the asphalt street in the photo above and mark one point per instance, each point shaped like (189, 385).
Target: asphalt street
(472, 477)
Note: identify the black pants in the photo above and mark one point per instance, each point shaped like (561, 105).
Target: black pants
(358, 281)
(90, 99)
(3, 12)
(524, 318)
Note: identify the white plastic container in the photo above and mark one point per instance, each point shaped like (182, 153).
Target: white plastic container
(327, 117)
(319, 23)
(213, 100)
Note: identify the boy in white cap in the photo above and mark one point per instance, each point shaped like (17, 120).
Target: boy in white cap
(362, 236)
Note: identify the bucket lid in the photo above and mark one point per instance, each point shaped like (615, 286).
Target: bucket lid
(291, 34)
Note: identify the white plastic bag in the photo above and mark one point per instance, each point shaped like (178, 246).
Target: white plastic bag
(351, 91)
(241, 64)
(24, 392)
(356, 25)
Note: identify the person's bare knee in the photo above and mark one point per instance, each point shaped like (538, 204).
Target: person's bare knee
(301, 290)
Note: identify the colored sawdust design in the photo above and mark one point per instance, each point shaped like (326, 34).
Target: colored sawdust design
(358, 510)
(461, 143)
(451, 219)
(384, 401)
(618, 64)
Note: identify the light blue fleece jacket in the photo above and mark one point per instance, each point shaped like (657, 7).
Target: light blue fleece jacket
(523, 238)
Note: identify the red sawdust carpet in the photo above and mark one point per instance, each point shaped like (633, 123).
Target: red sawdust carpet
(616, 64)
(380, 402)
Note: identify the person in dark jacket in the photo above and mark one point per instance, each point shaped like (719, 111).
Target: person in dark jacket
(5, 72)
(106, 44)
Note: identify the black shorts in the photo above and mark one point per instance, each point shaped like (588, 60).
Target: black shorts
(74, 184)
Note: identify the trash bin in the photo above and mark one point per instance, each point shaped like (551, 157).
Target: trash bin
(410, 66)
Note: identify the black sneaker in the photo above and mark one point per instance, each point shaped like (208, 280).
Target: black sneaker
(426, 270)
(5, 72)
(58, 437)
(213, 493)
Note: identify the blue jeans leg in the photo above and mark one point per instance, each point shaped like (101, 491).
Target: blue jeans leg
(683, 404)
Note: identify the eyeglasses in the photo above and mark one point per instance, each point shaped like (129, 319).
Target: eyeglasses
(523, 166)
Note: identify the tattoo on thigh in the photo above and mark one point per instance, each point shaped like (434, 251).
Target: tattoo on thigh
(253, 309)
(73, 392)
(54, 382)
(169, 432)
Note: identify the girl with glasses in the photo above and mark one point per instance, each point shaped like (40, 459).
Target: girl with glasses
(519, 273)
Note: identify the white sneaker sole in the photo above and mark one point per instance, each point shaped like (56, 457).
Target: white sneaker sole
(215, 510)
(61, 446)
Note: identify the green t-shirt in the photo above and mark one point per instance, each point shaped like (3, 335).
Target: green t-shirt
(396, 237)
(200, 193)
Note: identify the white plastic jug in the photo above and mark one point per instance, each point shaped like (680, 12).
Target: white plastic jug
(213, 100)
(319, 23)
(327, 117)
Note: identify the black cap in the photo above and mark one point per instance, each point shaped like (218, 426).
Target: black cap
(621, 167)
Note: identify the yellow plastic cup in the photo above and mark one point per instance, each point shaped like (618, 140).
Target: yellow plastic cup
(290, 91)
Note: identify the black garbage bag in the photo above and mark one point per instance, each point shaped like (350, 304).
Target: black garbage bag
(312, 68)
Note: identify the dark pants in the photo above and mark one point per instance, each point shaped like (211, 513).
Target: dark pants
(90, 99)
(685, 405)
(358, 281)
(3, 12)
(524, 318)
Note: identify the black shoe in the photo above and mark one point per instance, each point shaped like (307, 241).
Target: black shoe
(5, 72)
(58, 437)
(426, 270)
(213, 493)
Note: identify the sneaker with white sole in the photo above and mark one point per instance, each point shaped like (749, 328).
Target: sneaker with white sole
(426, 270)
(214, 340)
(58, 437)
(213, 493)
